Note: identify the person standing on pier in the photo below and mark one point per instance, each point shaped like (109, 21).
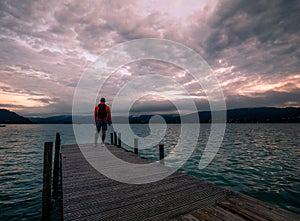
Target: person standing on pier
(102, 117)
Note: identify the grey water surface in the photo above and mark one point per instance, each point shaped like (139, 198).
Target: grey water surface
(260, 160)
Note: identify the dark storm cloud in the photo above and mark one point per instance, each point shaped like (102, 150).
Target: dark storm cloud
(252, 46)
(153, 106)
(11, 106)
(270, 98)
(257, 36)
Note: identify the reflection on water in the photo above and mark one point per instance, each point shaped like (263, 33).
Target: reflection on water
(21, 167)
(261, 160)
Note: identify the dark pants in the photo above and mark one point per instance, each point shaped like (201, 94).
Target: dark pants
(101, 124)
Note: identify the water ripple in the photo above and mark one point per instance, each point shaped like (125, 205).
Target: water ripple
(260, 160)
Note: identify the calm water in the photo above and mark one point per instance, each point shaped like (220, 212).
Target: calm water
(261, 160)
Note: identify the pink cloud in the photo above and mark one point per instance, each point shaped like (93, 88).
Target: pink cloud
(50, 44)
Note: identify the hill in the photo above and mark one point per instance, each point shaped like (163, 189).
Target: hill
(264, 115)
(252, 115)
(9, 117)
(243, 115)
(62, 119)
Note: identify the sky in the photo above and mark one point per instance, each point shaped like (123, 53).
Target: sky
(46, 46)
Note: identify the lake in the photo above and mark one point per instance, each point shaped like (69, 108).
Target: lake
(260, 160)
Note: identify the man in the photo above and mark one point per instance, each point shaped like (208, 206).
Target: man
(102, 117)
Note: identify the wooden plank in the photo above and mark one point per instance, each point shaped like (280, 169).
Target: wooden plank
(153, 208)
(89, 195)
(199, 215)
(102, 198)
(219, 212)
(241, 207)
(188, 217)
(255, 209)
(139, 196)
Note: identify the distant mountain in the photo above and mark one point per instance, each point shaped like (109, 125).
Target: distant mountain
(68, 119)
(62, 119)
(243, 115)
(143, 119)
(264, 115)
(9, 117)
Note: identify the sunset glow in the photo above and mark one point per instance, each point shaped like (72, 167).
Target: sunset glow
(21, 100)
(45, 48)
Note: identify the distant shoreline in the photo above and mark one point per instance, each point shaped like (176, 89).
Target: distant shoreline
(154, 123)
(241, 116)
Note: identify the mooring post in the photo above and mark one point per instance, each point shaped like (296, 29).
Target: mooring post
(115, 138)
(136, 150)
(60, 176)
(46, 198)
(112, 138)
(161, 153)
(56, 164)
(119, 140)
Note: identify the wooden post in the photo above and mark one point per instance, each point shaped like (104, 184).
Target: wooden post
(112, 138)
(115, 138)
(161, 153)
(56, 164)
(46, 198)
(119, 140)
(136, 150)
(60, 175)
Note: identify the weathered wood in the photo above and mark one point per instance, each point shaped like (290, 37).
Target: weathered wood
(119, 140)
(89, 195)
(46, 197)
(220, 213)
(115, 138)
(136, 150)
(60, 176)
(56, 164)
(161, 153)
(111, 138)
(241, 208)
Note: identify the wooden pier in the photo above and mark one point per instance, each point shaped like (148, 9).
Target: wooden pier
(89, 195)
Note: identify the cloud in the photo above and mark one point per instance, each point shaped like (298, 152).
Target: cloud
(269, 98)
(264, 33)
(252, 47)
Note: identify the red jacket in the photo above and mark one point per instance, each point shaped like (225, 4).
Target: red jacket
(108, 118)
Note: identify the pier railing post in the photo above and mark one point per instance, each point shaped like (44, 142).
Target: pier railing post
(46, 198)
(111, 138)
(161, 153)
(119, 140)
(56, 164)
(136, 150)
(60, 175)
(115, 138)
